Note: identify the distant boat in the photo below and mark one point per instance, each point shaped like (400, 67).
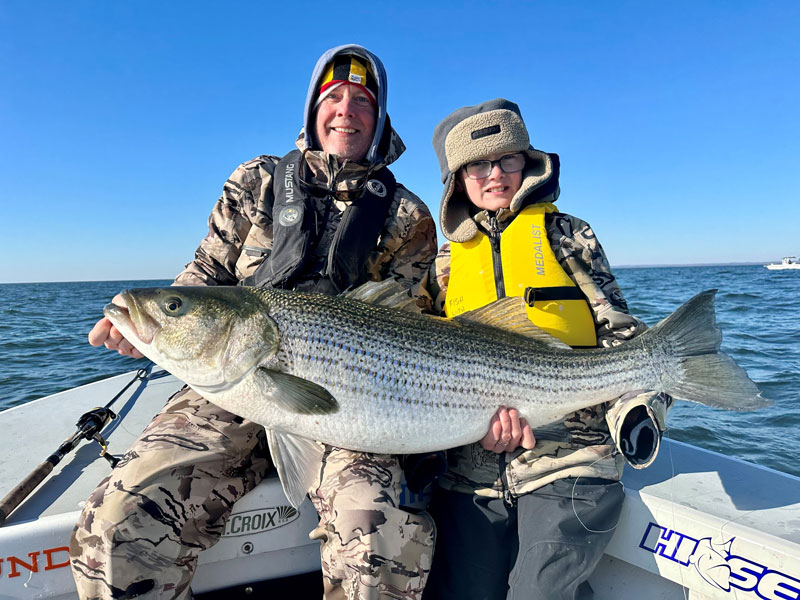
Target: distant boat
(787, 262)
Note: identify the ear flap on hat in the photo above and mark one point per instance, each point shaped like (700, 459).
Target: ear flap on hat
(454, 217)
(550, 187)
(538, 173)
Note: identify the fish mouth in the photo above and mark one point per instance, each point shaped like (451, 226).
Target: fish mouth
(132, 318)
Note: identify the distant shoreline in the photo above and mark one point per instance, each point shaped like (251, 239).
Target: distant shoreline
(662, 266)
(733, 264)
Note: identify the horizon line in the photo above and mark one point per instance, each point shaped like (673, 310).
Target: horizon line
(620, 266)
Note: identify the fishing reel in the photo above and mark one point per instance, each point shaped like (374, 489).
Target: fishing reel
(91, 424)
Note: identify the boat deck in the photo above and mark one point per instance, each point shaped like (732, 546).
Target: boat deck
(694, 520)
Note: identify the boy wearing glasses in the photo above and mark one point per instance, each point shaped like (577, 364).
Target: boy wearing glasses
(519, 517)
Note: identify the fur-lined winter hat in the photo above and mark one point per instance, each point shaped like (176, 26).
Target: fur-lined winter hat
(473, 133)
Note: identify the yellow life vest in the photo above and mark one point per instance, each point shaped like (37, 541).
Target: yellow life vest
(527, 267)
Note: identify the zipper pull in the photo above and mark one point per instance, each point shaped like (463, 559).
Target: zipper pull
(494, 238)
(508, 499)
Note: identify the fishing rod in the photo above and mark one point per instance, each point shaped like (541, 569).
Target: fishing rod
(89, 425)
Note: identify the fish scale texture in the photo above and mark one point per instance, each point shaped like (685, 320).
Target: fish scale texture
(409, 383)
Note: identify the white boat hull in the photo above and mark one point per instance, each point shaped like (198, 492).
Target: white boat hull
(787, 262)
(694, 521)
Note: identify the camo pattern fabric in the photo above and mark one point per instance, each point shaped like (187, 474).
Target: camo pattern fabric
(240, 226)
(584, 445)
(371, 547)
(169, 497)
(143, 527)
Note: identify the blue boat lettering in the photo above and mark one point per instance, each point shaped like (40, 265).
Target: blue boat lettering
(668, 544)
(717, 565)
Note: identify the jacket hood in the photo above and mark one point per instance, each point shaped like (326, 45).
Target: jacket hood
(474, 132)
(382, 139)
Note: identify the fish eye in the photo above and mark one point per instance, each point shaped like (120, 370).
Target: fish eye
(172, 305)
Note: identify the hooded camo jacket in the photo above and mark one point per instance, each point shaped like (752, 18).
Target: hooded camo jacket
(240, 228)
(592, 439)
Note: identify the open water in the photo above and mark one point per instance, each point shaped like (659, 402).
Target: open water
(43, 348)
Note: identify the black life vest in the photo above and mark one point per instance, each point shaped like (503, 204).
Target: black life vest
(294, 230)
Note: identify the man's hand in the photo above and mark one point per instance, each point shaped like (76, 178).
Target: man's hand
(105, 334)
(507, 431)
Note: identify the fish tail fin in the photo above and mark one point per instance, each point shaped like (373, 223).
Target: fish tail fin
(708, 376)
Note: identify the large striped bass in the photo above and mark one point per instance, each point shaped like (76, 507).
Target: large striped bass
(359, 372)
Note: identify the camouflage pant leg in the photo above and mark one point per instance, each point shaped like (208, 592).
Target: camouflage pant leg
(371, 549)
(169, 497)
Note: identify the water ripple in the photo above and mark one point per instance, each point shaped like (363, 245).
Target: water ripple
(760, 321)
(43, 348)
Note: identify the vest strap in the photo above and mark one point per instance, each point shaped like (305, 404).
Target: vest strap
(533, 295)
(294, 230)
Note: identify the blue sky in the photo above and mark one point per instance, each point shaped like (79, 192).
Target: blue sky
(677, 123)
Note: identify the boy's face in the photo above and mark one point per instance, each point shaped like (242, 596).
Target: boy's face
(494, 191)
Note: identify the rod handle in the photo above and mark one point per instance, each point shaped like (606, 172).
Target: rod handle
(15, 497)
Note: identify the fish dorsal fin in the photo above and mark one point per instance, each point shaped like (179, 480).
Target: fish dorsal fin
(389, 293)
(509, 314)
(297, 460)
(300, 396)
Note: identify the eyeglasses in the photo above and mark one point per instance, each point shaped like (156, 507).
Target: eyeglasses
(510, 163)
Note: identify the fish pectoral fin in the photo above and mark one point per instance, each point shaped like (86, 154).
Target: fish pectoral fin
(300, 396)
(509, 314)
(297, 460)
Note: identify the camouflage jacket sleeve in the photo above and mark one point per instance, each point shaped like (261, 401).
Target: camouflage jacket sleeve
(634, 420)
(239, 228)
(437, 279)
(407, 245)
(582, 257)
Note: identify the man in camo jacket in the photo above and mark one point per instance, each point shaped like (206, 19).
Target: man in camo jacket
(324, 218)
